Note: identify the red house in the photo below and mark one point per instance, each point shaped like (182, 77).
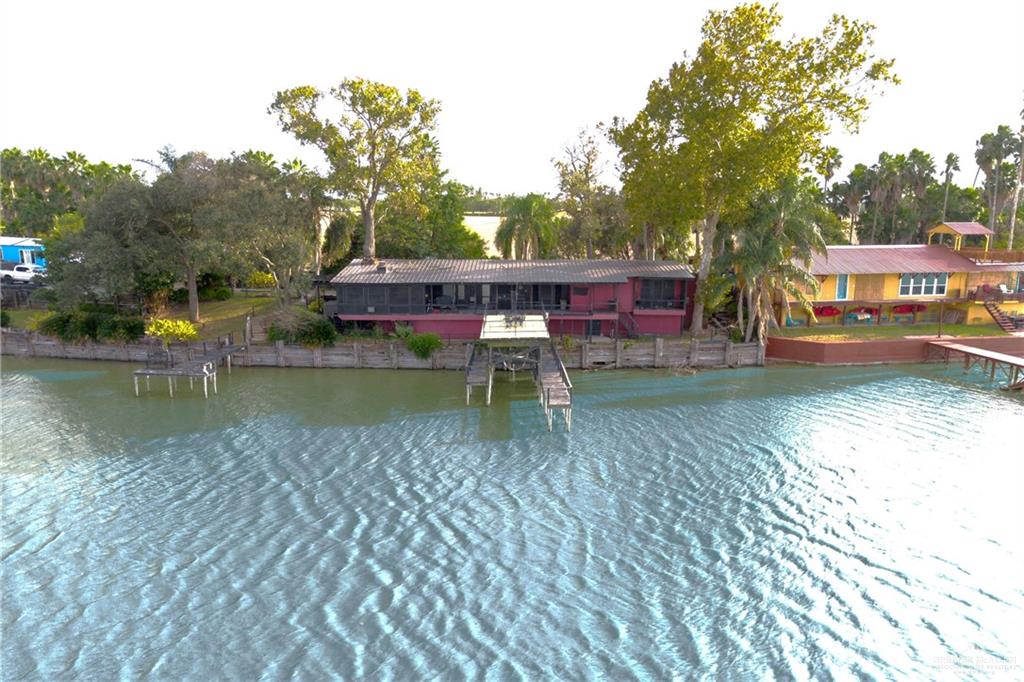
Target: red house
(582, 297)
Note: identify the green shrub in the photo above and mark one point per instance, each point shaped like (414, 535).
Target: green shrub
(423, 345)
(215, 294)
(5, 318)
(76, 326)
(172, 330)
(318, 333)
(313, 332)
(179, 295)
(736, 335)
(260, 280)
(403, 331)
(315, 306)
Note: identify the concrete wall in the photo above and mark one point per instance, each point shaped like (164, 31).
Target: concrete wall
(872, 352)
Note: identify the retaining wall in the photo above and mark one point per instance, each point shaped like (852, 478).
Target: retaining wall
(394, 355)
(876, 352)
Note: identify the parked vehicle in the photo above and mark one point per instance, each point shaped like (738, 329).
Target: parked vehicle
(19, 273)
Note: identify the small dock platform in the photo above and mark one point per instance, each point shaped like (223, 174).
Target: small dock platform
(1009, 366)
(518, 342)
(196, 367)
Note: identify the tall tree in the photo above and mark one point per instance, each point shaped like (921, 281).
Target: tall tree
(528, 227)
(380, 144)
(920, 174)
(181, 199)
(779, 233)
(826, 164)
(990, 154)
(1018, 187)
(749, 108)
(579, 188)
(952, 164)
(270, 213)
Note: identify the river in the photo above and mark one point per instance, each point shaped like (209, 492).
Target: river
(791, 522)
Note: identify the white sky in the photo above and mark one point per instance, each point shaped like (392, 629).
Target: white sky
(118, 80)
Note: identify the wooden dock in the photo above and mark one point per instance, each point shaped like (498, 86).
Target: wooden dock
(1009, 366)
(202, 367)
(518, 343)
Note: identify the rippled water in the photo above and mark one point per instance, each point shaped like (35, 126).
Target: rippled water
(794, 522)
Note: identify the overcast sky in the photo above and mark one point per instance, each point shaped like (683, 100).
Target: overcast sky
(117, 81)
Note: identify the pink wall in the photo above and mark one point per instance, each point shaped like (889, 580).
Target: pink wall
(450, 328)
(660, 325)
(869, 352)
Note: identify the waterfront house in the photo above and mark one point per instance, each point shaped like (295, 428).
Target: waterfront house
(612, 298)
(22, 250)
(892, 284)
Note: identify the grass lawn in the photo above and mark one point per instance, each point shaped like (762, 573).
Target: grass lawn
(20, 318)
(219, 318)
(871, 332)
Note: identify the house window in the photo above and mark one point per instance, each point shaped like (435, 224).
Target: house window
(924, 284)
(842, 287)
(28, 256)
(580, 291)
(658, 293)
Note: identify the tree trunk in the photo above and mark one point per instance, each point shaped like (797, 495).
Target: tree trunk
(752, 312)
(193, 293)
(874, 225)
(945, 200)
(1016, 191)
(739, 307)
(995, 198)
(369, 233)
(707, 243)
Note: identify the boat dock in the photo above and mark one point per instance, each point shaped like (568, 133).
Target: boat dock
(203, 366)
(520, 342)
(1009, 366)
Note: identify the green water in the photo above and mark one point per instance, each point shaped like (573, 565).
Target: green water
(782, 522)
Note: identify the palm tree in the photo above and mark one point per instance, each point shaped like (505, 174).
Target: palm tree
(857, 184)
(920, 171)
(828, 162)
(878, 190)
(528, 227)
(990, 153)
(895, 174)
(952, 164)
(781, 232)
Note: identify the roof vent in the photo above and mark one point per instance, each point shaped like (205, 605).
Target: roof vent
(382, 267)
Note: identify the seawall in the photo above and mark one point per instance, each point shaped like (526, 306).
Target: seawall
(392, 354)
(878, 352)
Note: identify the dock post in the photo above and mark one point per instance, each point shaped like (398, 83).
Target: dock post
(147, 383)
(490, 382)
(659, 352)
(229, 363)
(214, 381)
(206, 393)
(191, 382)
(135, 377)
(170, 385)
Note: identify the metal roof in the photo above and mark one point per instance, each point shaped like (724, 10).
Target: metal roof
(968, 228)
(19, 241)
(453, 271)
(881, 260)
(514, 327)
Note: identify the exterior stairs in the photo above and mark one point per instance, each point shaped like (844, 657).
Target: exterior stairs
(1001, 318)
(629, 325)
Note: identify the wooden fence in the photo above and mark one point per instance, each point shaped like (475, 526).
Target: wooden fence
(391, 354)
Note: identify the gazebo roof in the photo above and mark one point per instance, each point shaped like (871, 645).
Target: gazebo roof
(963, 229)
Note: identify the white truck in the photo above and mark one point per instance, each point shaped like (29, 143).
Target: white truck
(14, 273)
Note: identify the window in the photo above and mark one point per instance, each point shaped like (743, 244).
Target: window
(842, 287)
(658, 293)
(924, 284)
(580, 291)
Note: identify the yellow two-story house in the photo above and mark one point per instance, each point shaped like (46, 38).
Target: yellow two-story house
(910, 283)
